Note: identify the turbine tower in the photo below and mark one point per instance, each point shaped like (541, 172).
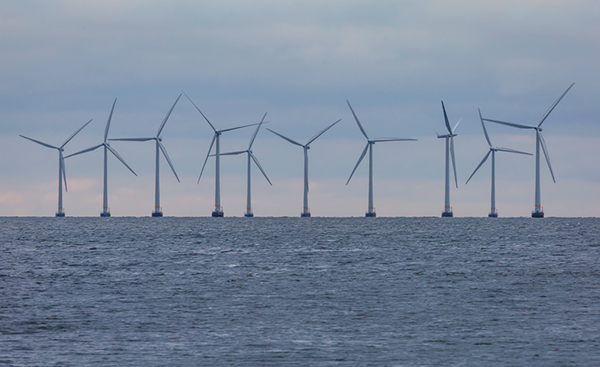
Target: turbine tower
(306, 147)
(218, 212)
(538, 211)
(159, 147)
(369, 146)
(492, 151)
(61, 166)
(449, 152)
(107, 148)
(251, 157)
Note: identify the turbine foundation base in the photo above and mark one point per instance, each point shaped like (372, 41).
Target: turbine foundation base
(217, 214)
(249, 215)
(105, 214)
(60, 214)
(493, 215)
(447, 214)
(305, 215)
(537, 215)
(157, 214)
(370, 215)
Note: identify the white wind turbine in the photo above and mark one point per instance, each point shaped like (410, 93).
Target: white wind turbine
(492, 151)
(218, 212)
(538, 212)
(105, 211)
(369, 146)
(159, 147)
(61, 166)
(251, 157)
(449, 152)
(306, 147)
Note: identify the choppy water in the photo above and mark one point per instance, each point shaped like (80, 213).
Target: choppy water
(299, 291)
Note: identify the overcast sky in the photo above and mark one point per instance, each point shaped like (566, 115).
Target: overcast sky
(64, 62)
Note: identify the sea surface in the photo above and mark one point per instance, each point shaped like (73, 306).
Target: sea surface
(299, 291)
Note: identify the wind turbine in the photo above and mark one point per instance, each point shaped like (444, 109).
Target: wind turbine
(492, 151)
(306, 147)
(251, 157)
(159, 147)
(538, 212)
(61, 166)
(449, 151)
(218, 212)
(369, 146)
(105, 211)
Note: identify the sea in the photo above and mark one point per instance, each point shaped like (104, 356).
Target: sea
(299, 291)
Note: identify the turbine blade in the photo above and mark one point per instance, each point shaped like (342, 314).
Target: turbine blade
(383, 140)
(455, 126)
(446, 118)
(256, 131)
(487, 137)
(480, 164)
(62, 165)
(259, 167)
(206, 159)
(322, 132)
(546, 155)
(286, 138)
(545, 116)
(511, 151)
(39, 142)
(164, 151)
(453, 160)
(238, 127)
(231, 153)
(211, 125)
(109, 119)
(520, 126)
(306, 174)
(364, 152)
(114, 152)
(358, 122)
(75, 133)
(85, 150)
(162, 125)
(131, 139)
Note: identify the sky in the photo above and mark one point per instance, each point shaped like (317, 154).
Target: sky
(64, 62)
